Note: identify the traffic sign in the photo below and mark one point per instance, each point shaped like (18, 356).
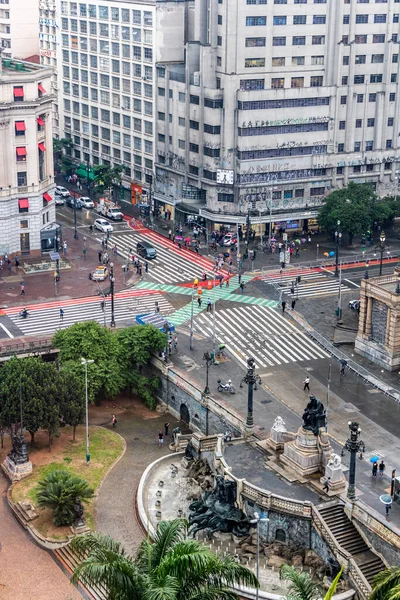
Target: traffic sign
(54, 256)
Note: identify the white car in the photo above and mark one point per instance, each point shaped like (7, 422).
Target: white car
(103, 225)
(62, 191)
(60, 201)
(86, 202)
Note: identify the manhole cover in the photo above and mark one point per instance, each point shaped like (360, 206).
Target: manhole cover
(350, 407)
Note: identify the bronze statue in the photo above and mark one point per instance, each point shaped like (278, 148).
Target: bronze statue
(19, 452)
(78, 512)
(314, 415)
(189, 451)
(217, 512)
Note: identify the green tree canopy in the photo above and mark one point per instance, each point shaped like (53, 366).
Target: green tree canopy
(72, 407)
(302, 586)
(173, 567)
(91, 341)
(386, 585)
(105, 177)
(58, 490)
(352, 206)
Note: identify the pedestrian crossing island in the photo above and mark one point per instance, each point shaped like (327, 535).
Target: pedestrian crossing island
(313, 283)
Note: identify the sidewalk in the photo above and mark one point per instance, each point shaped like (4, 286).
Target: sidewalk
(282, 395)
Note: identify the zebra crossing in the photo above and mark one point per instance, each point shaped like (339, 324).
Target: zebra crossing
(312, 284)
(171, 264)
(46, 320)
(261, 332)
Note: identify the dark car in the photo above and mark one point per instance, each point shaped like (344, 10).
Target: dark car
(146, 250)
(70, 201)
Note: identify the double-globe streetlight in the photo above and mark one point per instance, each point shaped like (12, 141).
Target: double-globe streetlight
(353, 445)
(112, 283)
(338, 239)
(256, 521)
(251, 379)
(85, 362)
(381, 248)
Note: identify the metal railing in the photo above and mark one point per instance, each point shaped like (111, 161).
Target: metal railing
(27, 347)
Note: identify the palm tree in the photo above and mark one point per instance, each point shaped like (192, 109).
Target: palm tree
(59, 490)
(386, 585)
(172, 567)
(302, 586)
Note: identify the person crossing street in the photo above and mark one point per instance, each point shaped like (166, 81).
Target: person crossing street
(306, 384)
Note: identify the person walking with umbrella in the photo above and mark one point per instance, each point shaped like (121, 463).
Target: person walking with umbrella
(374, 469)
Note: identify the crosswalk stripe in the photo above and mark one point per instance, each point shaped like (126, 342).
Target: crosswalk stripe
(313, 284)
(47, 321)
(260, 332)
(171, 264)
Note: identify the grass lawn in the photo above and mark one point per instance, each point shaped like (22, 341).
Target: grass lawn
(105, 447)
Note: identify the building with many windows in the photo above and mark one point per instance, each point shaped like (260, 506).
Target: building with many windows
(106, 71)
(27, 208)
(19, 28)
(271, 105)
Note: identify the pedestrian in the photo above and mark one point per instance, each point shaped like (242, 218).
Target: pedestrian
(106, 243)
(170, 234)
(22, 284)
(146, 267)
(209, 305)
(374, 469)
(241, 287)
(326, 484)
(8, 264)
(157, 308)
(240, 278)
(61, 314)
(283, 304)
(227, 282)
(199, 302)
(175, 343)
(140, 270)
(114, 421)
(115, 250)
(65, 247)
(306, 384)
(293, 304)
(16, 262)
(100, 254)
(102, 243)
(387, 507)
(343, 364)
(220, 282)
(160, 438)
(1, 264)
(90, 228)
(166, 425)
(382, 468)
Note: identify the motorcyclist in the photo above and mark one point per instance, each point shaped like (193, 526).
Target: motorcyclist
(24, 313)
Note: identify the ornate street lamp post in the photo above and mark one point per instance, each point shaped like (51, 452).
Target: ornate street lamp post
(338, 238)
(353, 445)
(209, 360)
(381, 248)
(251, 379)
(112, 283)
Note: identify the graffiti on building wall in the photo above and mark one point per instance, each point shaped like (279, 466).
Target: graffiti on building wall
(286, 122)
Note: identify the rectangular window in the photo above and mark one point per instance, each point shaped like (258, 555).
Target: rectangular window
(377, 58)
(376, 78)
(369, 146)
(193, 147)
(194, 99)
(378, 38)
(380, 18)
(342, 124)
(346, 19)
(392, 97)
(317, 60)
(360, 59)
(299, 40)
(316, 81)
(390, 122)
(194, 125)
(371, 97)
(340, 147)
(343, 99)
(279, 41)
(358, 123)
(254, 62)
(298, 60)
(362, 18)
(360, 98)
(299, 20)
(359, 79)
(389, 144)
(360, 39)
(214, 129)
(318, 40)
(297, 82)
(255, 21)
(393, 78)
(319, 20)
(255, 42)
(346, 60)
(279, 20)
(249, 84)
(345, 80)
(278, 61)
(277, 82)
(370, 122)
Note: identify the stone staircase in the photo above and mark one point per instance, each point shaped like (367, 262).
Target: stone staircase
(349, 538)
(69, 560)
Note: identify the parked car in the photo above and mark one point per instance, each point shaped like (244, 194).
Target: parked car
(70, 201)
(146, 250)
(62, 191)
(59, 200)
(86, 202)
(103, 225)
(355, 305)
(100, 274)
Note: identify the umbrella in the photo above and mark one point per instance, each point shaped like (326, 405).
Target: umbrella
(386, 499)
(273, 239)
(303, 240)
(331, 253)
(326, 254)
(219, 277)
(374, 459)
(298, 241)
(178, 237)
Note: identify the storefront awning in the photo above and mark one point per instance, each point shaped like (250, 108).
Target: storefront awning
(40, 121)
(20, 126)
(23, 203)
(41, 89)
(18, 92)
(82, 172)
(42, 147)
(21, 151)
(47, 197)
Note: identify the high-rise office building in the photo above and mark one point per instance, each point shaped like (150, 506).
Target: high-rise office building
(19, 28)
(272, 104)
(106, 71)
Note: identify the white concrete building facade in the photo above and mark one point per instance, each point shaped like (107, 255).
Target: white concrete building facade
(275, 104)
(19, 28)
(27, 208)
(106, 72)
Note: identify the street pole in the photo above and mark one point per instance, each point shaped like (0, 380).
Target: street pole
(381, 247)
(194, 286)
(339, 308)
(353, 445)
(214, 320)
(207, 357)
(317, 252)
(261, 232)
(248, 226)
(85, 363)
(328, 390)
(338, 236)
(88, 176)
(251, 379)
(112, 282)
(257, 520)
(75, 225)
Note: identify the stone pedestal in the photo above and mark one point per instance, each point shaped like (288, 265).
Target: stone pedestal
(304, 455)
(80, 528)
(333, 471)
(14, 471)
(279, 435)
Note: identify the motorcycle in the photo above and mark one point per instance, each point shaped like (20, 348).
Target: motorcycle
(225, 387)
(24, 314)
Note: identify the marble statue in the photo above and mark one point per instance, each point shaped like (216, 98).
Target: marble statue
(279, 425)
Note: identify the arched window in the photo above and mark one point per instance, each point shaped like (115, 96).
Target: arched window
(280, 535)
